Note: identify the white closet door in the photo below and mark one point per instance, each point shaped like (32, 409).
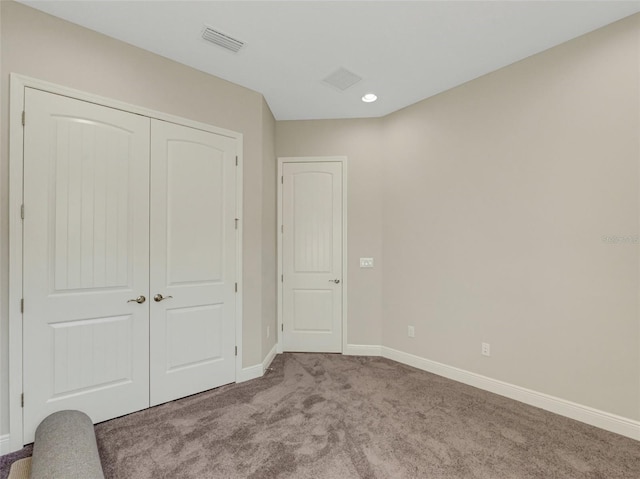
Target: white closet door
(193, 261)
(86, 199)
(312, 256)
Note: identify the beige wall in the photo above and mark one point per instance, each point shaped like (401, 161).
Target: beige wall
(360, 141)
(269, 224)
(497, 197)
(492, 200)
(47, 48)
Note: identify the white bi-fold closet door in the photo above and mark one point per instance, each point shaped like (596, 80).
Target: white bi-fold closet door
(129, 261)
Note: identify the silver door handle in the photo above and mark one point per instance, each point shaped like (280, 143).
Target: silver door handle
(158, 297)
(334, 281)
(140, 299)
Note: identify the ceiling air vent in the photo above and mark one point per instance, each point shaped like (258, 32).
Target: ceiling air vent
(222, 40)
(342, 79)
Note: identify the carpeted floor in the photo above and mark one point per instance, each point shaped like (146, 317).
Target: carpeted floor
(332, 416)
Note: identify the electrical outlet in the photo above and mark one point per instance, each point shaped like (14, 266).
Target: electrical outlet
(486, 349)
(411, 332)
(268, 331)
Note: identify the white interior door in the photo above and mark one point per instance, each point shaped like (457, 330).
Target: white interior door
(312, 256)
(193, 261)
(86, 240)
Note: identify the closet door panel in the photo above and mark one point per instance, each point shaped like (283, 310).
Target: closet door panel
(192, 261)
(86, 250)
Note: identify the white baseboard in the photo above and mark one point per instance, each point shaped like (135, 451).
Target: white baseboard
(270, 356)
(362, 350)
(257, 370)
(604, 420)
(5, 444)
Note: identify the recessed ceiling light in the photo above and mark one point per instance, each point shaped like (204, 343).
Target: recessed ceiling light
(369, 98)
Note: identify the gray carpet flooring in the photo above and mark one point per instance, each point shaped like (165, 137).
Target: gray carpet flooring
(332, 416)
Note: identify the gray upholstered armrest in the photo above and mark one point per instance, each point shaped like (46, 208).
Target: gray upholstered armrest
(65, 448)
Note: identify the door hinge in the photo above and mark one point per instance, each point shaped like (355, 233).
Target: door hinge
(237, 219)
(282, 327)
(22, 400)
(22, 305)
(236, 160)
(236, 350)
(236, 287)
(281, 228)
(282, 278)
(282, 180)
(23, 118)
(22, 211)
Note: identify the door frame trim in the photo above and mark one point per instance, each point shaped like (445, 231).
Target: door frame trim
(17, 86)
(345, 282)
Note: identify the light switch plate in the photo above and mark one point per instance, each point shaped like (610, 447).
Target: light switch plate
(366, 262)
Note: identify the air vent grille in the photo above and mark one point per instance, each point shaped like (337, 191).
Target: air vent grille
(222, 40)
(342, 79)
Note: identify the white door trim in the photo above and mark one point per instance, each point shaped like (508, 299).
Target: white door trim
(16, 177)
(345, 282)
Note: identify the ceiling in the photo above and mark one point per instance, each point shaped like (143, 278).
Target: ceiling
(404, 51)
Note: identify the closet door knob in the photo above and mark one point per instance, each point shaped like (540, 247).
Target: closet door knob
(140, 299)
(158, 297)
(334, 281)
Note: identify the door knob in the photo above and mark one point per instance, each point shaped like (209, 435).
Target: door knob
(158, 297)
(334, 281)
(140, 299)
